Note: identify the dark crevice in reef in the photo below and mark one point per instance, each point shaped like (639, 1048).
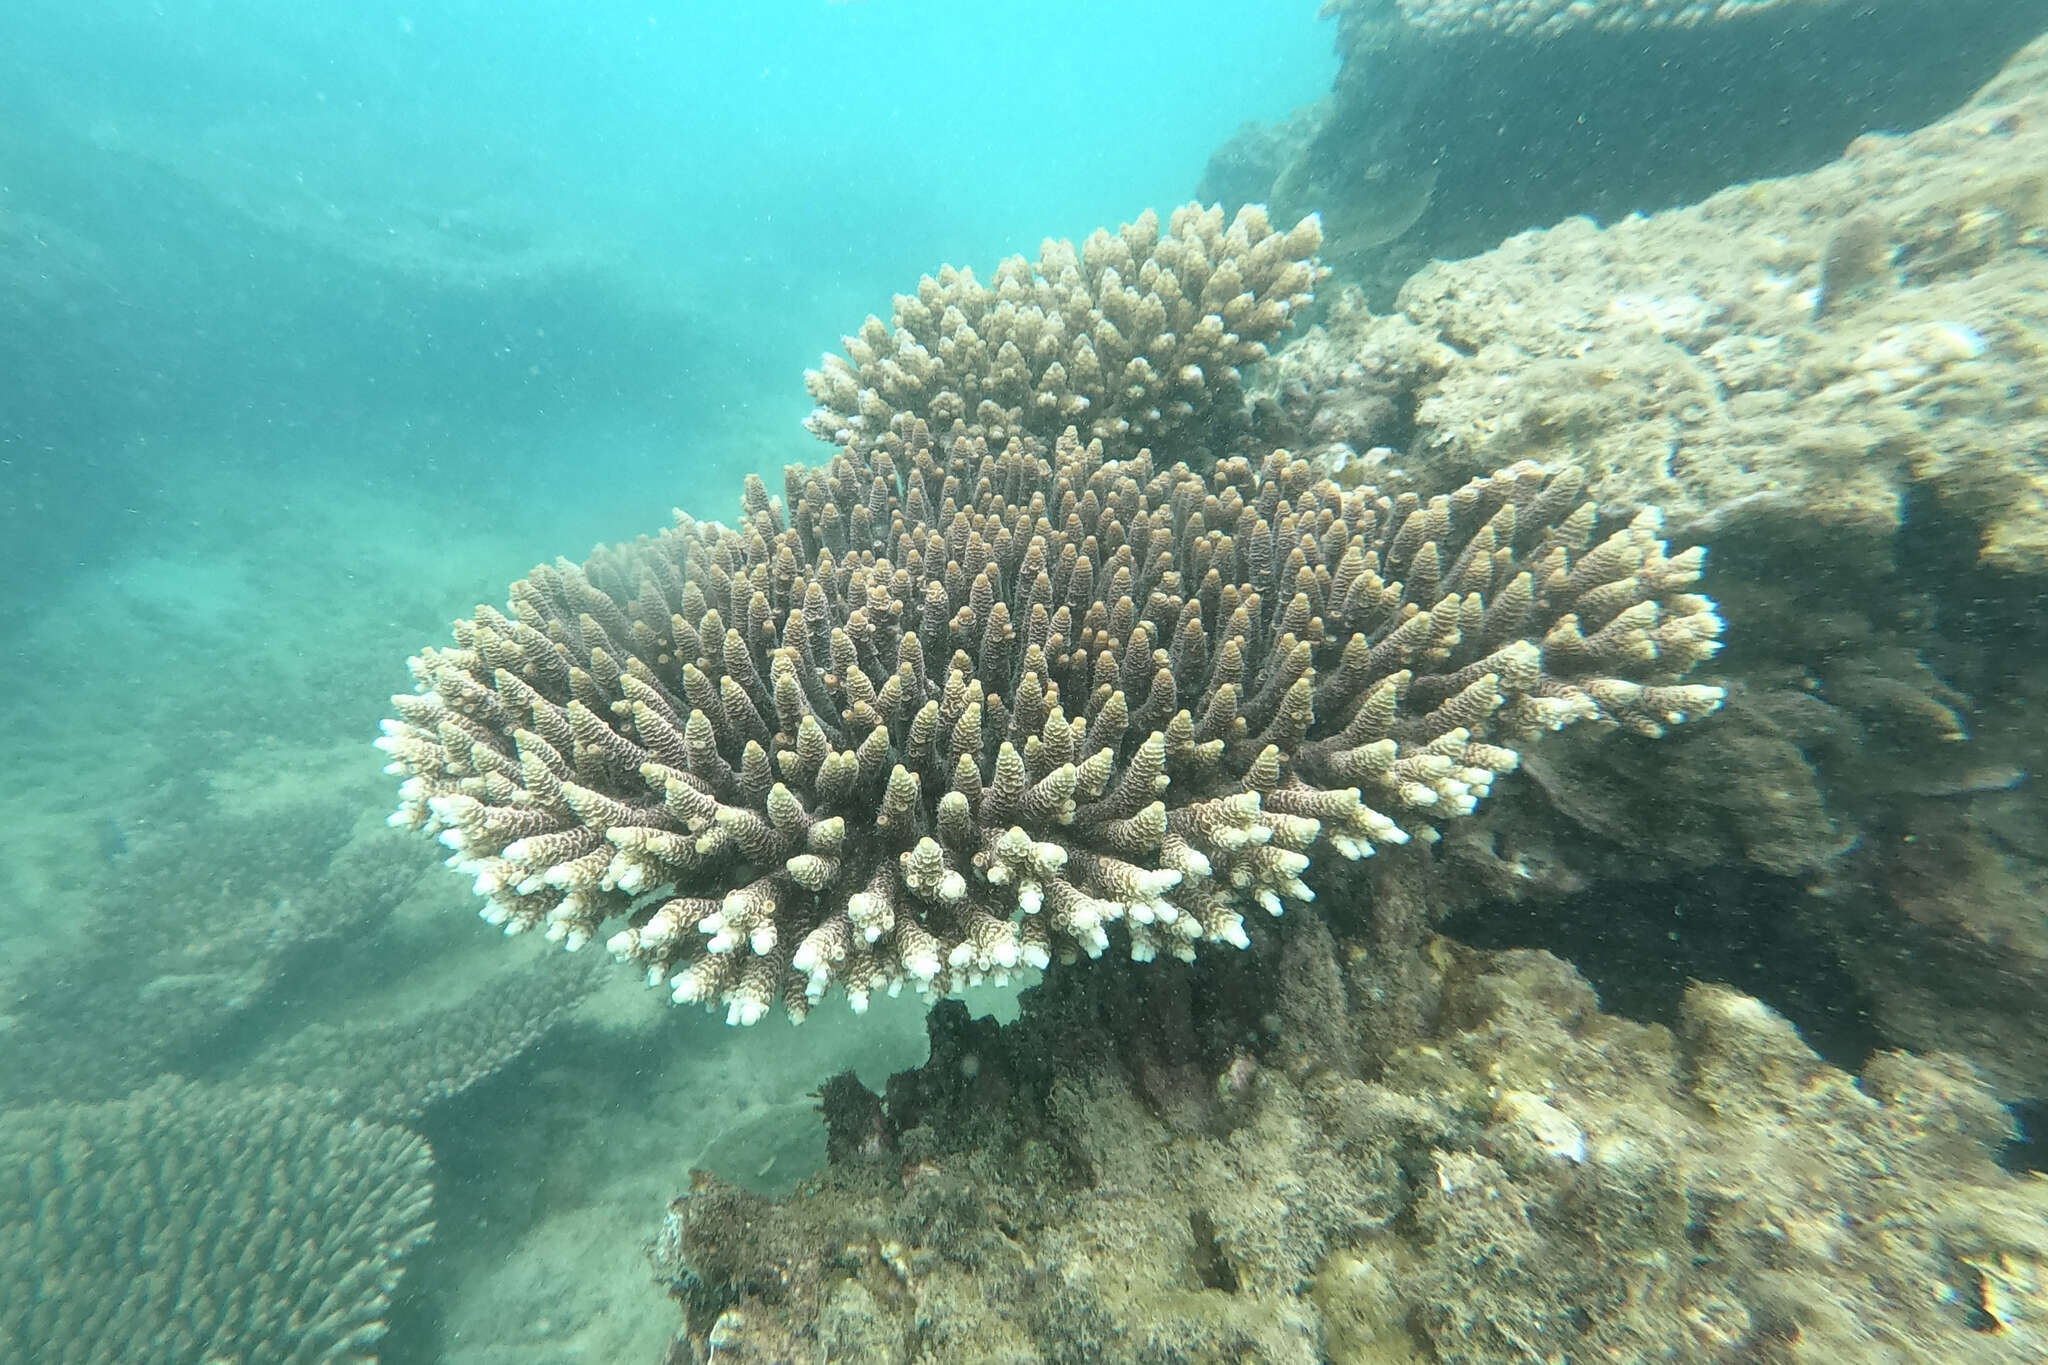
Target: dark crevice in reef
(1210, 1263)
(2030, 1152)
(1641, 945)
(1168, 1028)
(1402, 431)
(1987, 627)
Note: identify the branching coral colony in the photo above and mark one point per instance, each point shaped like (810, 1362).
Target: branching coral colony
(963, 702)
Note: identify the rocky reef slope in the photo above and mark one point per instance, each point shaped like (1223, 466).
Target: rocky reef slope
(1453, 123)
(1839, 381)
(1362, 1142)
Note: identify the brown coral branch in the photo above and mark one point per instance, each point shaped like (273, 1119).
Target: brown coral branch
(961, 706)
(1135, 337)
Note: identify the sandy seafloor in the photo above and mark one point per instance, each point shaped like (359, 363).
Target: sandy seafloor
(232, 661)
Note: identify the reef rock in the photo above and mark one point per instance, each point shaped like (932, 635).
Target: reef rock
(1536, 1180)
(1453, 123)
(1838, 380)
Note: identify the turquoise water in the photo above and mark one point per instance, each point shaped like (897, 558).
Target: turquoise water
(500, 239)
(320, 324)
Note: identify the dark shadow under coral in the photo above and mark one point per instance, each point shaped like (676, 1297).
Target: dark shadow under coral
(1640, 945)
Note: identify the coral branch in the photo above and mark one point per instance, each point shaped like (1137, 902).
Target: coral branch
(920, 724)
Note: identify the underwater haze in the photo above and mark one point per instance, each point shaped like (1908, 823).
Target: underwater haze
(319, 323)
(1246, 682)
(374, 242)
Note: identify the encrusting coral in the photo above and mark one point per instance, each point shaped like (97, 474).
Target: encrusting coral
(1136, 337)
(958, 706)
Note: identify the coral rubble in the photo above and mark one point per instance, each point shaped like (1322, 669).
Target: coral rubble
(1535, 1180)
(954, 708)
(191, 1225)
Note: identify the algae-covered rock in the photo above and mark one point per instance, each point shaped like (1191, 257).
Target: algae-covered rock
(1535, 1180)
(1693, 359)
(1838, 381)
(1454, 123)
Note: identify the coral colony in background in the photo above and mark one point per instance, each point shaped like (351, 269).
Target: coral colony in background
(1042, 650)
